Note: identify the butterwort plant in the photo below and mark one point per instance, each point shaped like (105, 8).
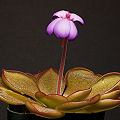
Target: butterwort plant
(50, 93)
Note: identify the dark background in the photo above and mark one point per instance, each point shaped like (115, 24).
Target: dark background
(25, 46)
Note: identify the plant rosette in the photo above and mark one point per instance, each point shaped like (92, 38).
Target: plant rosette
(51, 93)
(83, 92)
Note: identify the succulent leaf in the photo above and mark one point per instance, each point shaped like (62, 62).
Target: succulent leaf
(79, 79)
(78, 96)
(115, 87)
(43, 111)
(2, 84)
(50, 100)
(111, 95)
(48, 80)
(70, 107)
(32, 76)
(20, 82)
(102, 105)
(11, 97)
(105, 83)
(36, 75)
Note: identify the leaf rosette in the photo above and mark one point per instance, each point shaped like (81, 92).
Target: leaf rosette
(81, 91)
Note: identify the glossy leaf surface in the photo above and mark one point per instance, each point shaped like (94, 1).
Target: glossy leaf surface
(78, 96)
(50, 100)
(79, 79)
(11, 97)
(20, 82)
(70, 107)
(106, 82)
(48, 80)
(43, 111)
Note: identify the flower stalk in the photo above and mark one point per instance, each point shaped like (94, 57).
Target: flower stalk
(64, 28)
(64, 46)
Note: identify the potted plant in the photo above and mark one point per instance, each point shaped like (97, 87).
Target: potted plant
(79, 93)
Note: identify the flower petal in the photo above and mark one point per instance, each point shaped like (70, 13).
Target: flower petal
(43, 111)
(73, 31)
(62, 28)
(76, 18)
(51, 26)
(61, 14)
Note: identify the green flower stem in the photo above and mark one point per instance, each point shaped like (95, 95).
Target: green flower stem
(64, 46)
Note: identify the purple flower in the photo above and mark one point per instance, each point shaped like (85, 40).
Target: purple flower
(63, 26)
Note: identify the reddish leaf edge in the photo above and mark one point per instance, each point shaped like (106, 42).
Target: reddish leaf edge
(13, 87)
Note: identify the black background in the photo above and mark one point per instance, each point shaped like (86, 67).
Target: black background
(25, 46)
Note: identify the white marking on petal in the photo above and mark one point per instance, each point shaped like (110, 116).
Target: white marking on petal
(61, 14)
(62, 28)
(50, 27)
(73, 31)
(75, 17)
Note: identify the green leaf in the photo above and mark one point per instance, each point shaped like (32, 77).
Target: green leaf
(32, 76)
(111, 95)
(102, 105)
(115, 87)
(48, 80)
(43, 111)
(79, 79)
(70, 107)
(78, 96)
(36, 75)
(11, 97)
(20, 82)
(50, 100)
(2, 84)
(105, 84)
